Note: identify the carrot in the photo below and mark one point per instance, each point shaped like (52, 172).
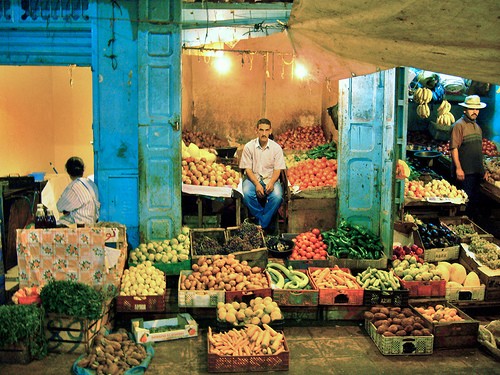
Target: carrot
(260, 338)
(265, 339)
(322, 275)
(277, 341)
(270, 329)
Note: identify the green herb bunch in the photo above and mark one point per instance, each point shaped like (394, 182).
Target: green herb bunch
(24, 324)
(73, 298)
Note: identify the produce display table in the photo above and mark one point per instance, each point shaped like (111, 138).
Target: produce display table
(209, 192)
(490, 190)
(430, 209)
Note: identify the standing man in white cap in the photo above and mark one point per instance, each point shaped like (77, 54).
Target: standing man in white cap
(467, 151)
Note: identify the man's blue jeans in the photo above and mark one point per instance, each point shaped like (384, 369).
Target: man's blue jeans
(263, 209)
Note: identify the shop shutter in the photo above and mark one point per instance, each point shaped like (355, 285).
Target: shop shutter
(366, 152)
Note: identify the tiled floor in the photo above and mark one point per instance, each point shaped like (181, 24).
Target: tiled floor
(329, 348)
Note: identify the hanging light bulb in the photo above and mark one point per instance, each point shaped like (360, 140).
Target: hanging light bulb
(222, 63)
(300, 71)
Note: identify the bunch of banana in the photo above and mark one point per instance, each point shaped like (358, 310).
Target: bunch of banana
(445, 117)
(423, 110)
(422, 95)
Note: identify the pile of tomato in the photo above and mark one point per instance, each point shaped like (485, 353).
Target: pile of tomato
(309, 245)
(313, 172)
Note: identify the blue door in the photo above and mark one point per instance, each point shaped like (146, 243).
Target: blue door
(159, 40)
(366, 157)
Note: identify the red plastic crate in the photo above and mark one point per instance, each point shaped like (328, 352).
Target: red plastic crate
(425, 288)
(337, 296)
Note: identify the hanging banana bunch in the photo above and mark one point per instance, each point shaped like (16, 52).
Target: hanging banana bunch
(445, 117)
(423, 96)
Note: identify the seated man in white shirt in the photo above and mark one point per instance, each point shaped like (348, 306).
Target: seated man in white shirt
(79, 202)
(262, 160)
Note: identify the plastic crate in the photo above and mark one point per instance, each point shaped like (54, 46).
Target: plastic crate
(464, 294)
(296, 297)
(337, 296)
(456, 334)
(393, 298)
(431, 288)
(199, 298)
(172, 269)
(400, 345)
(141, 303)
(249, 363)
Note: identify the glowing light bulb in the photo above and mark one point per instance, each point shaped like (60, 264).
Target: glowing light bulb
(301, 71)
(222, 64)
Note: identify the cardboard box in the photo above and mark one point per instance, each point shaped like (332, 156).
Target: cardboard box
(92, 255)
(182, 326)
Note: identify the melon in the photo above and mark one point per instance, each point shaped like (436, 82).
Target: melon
(453, 284)
(445, 273)
(458, 273)
(472, 279)
(445, 264)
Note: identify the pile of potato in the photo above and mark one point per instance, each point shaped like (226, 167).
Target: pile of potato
(439, 313)
(113, 353)
(224, 273)
(396, 321)
(258, 311)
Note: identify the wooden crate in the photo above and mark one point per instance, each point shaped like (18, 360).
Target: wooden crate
(307, 213)
(359, 264)
(458, 220)
(449, 335)
(490, 278)
(255, 257)
(218, 234)
(66, 334)
(18, 353)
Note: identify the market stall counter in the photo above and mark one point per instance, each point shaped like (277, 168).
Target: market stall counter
(214, 192)
(92, 255)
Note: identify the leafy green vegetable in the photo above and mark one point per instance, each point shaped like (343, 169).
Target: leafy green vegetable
(73, 298)
(328, 151)
(24, 324)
